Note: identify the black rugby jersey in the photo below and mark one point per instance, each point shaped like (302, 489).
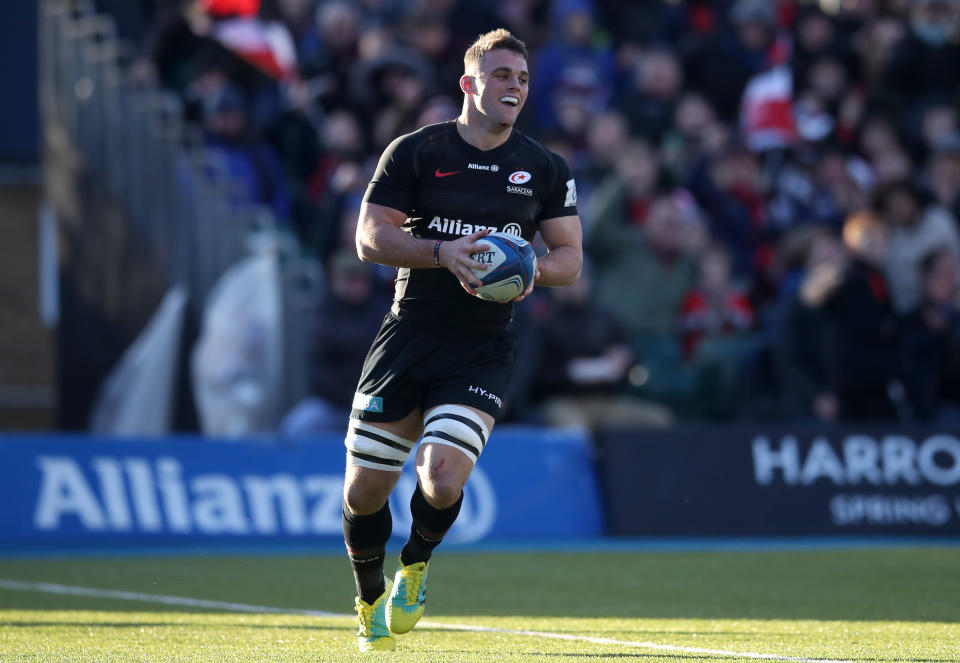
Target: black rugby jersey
(448, 188)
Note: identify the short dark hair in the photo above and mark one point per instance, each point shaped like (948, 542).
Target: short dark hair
(499, 38)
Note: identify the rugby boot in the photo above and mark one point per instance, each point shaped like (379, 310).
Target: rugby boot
(407, 598)
(373, 634)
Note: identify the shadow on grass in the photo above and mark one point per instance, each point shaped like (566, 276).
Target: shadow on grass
(895, 584)
(204, 625)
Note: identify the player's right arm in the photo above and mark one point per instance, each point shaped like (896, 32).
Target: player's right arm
(381, 239)
(387, 203)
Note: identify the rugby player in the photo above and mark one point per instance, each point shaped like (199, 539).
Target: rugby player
(439, 366)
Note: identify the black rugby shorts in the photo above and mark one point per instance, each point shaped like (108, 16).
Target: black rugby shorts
(412, 365)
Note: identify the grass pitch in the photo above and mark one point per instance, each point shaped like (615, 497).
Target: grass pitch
(892, 604)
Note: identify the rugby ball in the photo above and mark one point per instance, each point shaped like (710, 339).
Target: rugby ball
(511, 265)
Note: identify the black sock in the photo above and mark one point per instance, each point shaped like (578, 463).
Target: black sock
(366, 539)
(429, 526)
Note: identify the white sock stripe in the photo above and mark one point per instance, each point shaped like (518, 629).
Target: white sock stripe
(462, 411)
(436, 440)
(370, 428)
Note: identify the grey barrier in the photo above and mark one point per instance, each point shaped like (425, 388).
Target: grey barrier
(132, 139)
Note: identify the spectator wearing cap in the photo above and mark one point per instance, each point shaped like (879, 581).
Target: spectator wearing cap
(249, 160)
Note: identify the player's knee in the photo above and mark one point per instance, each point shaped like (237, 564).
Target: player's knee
(357, 501)
(364, 497)
(442, 489)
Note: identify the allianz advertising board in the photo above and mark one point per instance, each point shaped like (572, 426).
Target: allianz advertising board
(78, 491)
(757, 481)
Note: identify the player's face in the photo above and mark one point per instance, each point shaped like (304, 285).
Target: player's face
(501, 86)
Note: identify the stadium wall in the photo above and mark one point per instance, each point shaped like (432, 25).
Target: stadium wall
(783, 481)
(69, 492)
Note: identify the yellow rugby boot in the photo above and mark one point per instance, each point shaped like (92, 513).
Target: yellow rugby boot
(373, 634)
(407, 599)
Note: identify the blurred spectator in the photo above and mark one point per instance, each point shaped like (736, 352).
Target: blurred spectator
(802, 194)
(649, 101)
(923, 64)
(607, 140)
(931, 342)
(327, 59)
(713, 322)
(861, 329)
(943, 173)
(347, 318)
(730, 189)
(644, 273)
(586, 358)
(815, 262)
(573, 73)
(716, 308)
(816, 36)
(721, 65)
(626, 194)
(527, 19)
(388, 90)
(875, 42)
(249, 160)
(913, 231)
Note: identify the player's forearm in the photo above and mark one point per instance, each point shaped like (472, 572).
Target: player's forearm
(561, 266)
(385, 244)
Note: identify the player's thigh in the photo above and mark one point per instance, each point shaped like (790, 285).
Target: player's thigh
(385, 419)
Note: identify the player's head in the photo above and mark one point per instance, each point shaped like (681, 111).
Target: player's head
(495, 79)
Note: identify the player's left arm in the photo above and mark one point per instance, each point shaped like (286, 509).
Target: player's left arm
(564, 258)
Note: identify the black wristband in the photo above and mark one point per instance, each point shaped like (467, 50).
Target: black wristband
(436, 252)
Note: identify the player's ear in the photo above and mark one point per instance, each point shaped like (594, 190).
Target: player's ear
(467, 84)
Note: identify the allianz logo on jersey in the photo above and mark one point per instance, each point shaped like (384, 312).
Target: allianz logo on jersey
(493, 168)
(457, 227)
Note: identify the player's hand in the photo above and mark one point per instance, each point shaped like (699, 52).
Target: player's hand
(523, 295)
(456, 256)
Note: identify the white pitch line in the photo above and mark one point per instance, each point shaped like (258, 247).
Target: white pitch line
(72, 590)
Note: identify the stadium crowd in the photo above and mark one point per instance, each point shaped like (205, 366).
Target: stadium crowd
(769, 189)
